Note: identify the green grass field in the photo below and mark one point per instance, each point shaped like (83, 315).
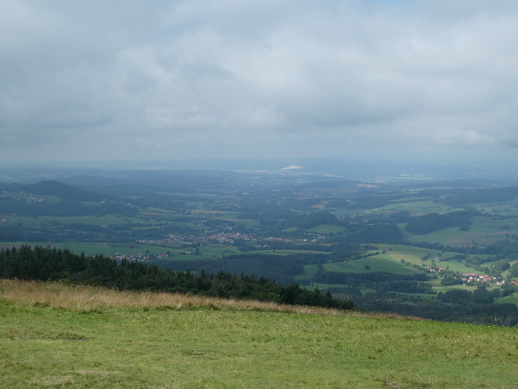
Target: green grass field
(377, 263)
(89, 248)
(484, 230)
(381, 262)
(410, 254)
(415, 256)
(512, 299)
(141, 347)
(414, 207)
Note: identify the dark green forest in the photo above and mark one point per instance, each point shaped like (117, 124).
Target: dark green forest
(26, 263)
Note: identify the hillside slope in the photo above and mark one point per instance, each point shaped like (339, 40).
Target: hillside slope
(95, 341)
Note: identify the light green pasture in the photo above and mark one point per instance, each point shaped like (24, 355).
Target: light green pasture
(41, 347)
(484, 230)
(414, 255)
(511, 299)
(382, 263)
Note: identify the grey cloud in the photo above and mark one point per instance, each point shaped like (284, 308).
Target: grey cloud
(199, 78)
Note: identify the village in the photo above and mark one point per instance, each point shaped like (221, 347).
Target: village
(474, 278)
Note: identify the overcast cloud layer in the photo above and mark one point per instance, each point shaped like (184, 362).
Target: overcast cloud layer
(101, 80)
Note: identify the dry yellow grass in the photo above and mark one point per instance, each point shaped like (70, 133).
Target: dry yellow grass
(84, 298)
(88, 298)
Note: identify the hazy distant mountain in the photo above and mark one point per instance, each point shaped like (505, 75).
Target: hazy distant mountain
(56, 188)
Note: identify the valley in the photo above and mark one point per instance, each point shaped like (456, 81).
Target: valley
(372, 241)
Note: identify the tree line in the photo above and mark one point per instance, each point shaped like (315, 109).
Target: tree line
(381, 282)
(466, 308)
(50, 264)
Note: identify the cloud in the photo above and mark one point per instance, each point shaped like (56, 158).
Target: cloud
(227, 78)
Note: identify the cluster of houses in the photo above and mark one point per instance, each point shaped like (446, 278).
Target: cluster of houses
(484, 278)
(228, 238)
(137, 257)
(22, 196)
(437, 269)
(474, 277)
(470, 278)
(189, 240)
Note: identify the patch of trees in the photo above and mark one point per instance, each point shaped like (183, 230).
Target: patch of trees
(160, 201)
(11, 234)
(451, 279)
(345, 278)
(380, 233)
(360, 232)
(280, 245)
(436, 309)
(71, 202)
(56, 188)
(498, 250)
(433, 221)
(276, 267)
(502, 247)
(263, 205)
(401, 217)
(514, 270)
(460, 296)
(311, 220)
(46, 264)
(56, 232)
(67, 207)
(382, 282)
(372, 201)
(343, 251)
(465, 196)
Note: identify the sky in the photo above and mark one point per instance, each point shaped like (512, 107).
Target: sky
(118, 80)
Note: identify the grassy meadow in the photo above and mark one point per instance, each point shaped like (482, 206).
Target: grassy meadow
(379, 263)
(59, 336)
(415, 255)
(484, 230)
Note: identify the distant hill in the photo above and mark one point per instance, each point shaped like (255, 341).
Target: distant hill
(464, 196)
(56, 188)
(23, 199)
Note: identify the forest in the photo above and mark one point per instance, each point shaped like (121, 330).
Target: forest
(27, 263)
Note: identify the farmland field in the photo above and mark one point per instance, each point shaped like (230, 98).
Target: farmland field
(415, 256)
(381, 263)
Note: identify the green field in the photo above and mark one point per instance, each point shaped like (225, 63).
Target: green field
(411, 254)
(206, 252)
(115, 347)
(381, 262)
(414, 207)
(484, 230)
(512, 299)
(415, 256)
(377, 263)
